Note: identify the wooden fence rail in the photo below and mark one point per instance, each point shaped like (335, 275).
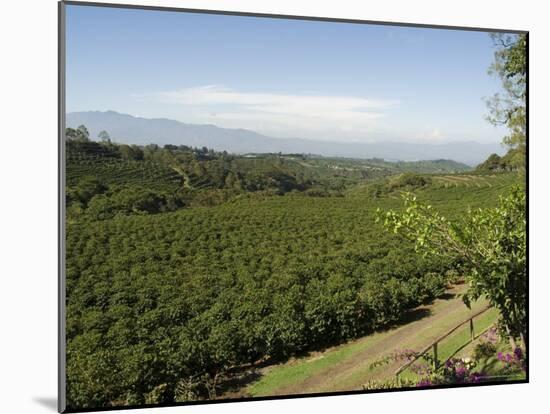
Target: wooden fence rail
(433, 345)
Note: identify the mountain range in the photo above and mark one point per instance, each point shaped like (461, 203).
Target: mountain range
(130, 129)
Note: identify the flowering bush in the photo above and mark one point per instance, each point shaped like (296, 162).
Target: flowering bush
(491, 335)
(453, 371)
(513, 362)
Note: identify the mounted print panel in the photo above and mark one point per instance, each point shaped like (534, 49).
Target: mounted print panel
(257, 207)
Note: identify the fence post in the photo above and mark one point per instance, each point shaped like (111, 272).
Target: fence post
(435, 362)
(472, 335)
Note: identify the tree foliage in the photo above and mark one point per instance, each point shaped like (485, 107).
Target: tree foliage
(104, 136)
(489, 243)
(79, 134)
(513, 160)
(509, 108)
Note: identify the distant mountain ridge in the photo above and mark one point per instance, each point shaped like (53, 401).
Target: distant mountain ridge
(129, 129)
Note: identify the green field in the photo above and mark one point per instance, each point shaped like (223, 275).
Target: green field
(184, 267)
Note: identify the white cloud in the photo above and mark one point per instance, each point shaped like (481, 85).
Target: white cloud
(321, 116)
(430, 134)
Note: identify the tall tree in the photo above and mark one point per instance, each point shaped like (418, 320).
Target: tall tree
(104, 136)
(80, 134)
(509, 108)
(83, 132)
(71, 134)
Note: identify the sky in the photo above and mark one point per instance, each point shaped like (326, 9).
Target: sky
(284, 78)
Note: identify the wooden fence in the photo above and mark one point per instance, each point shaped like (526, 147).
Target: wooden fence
(433, 345)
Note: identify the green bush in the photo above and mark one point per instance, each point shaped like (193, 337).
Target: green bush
(408, 180)
(484, 350)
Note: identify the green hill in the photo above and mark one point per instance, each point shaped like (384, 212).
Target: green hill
(150, 179)
(169, 304)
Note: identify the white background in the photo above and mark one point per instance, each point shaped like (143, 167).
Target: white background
(28, 204)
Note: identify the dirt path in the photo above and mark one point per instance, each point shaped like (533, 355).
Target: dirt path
(347, 367)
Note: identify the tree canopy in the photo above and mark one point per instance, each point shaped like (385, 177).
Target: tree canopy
(79, 134)
(509, 108)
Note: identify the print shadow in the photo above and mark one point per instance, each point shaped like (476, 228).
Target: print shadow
(48, 402)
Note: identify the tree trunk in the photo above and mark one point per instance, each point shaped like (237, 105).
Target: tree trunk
(211, 386)
(522, 337)
(511, 338)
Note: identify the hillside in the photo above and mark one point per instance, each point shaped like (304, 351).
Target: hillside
(263, 275)
(105, 179)
(136, 130)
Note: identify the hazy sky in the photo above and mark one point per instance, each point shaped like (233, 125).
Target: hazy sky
(284, 78)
